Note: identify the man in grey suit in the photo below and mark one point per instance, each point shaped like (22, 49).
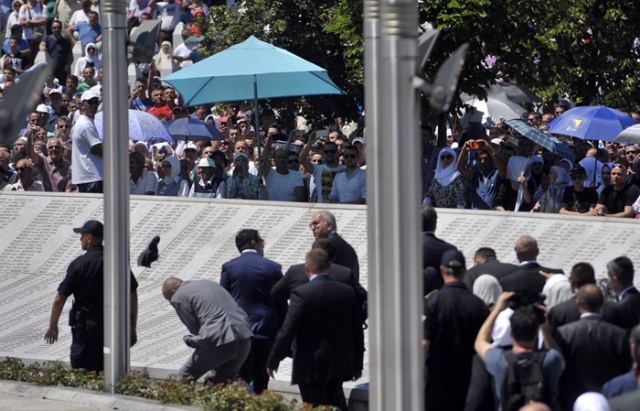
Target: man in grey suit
(219, 328)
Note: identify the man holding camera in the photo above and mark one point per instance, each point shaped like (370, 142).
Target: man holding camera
(501, 362)
(487, 178)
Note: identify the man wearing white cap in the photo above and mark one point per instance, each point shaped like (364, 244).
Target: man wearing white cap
(86, 164)
(208, 184)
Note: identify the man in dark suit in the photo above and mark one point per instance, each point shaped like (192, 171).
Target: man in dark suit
(433, 249)
(620, 272)
(594, 350)
(568, 312)
(249, 279)
(324, 320)
(527, 280)
(630, 400)
(486, 262)
(627, 382)
(296, 275)
(323, 225)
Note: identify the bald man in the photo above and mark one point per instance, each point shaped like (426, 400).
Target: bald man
(527, 280)
(594, 350)
(219, 328)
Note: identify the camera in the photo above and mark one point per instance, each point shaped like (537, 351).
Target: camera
(520, 300)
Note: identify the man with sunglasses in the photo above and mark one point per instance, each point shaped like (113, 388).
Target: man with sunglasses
(350, 186)
(323, 174)
(86, 163)
(578, 200)
(617, 199)
(26, 181)
(53, 168)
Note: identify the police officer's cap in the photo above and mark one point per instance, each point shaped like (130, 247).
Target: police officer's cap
(93, 227)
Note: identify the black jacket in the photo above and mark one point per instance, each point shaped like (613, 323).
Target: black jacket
(567, 312)
(323, 317)
(629, 307)
(432, 250)
(491, 266)
(527, 279)
(345, 254)
(595, 351)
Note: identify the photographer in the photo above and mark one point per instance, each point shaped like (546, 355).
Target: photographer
(542, 368)
(486, 178)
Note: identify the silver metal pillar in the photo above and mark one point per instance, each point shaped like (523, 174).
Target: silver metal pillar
(374, 176)
(116, 193)
(395, 349)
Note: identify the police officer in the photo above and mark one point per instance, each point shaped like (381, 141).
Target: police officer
(84, 280)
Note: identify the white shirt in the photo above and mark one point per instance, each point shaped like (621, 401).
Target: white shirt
(35, 186)
(501, 333)
(322, 180)
(31, 13)
(349, 188)
(78, 16)
(281, 187)
(183, 51)
(169, 16)
(85, 166)
(147, 183)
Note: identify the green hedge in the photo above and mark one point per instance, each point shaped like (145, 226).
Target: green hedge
(232, 397)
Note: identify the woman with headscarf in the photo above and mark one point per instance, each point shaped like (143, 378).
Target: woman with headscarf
(552, 199)
(172, 185)
(516, 194)
(538, 176)
(90, 59)
(165, 53)
(13, 17)
(447, 190)
(605, 176)
(487, 288)
(557, 289)
(241, 184)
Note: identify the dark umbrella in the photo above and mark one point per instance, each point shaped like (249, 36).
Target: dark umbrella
(545, 140)
(513, 92)
(191, 129)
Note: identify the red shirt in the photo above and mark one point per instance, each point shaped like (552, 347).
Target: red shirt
(158, 111)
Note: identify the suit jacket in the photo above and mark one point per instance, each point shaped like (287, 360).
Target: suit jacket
(297, 276)
(567, 312)
(323, 317)
(629, 307)
(249, 278)
(527, 279)
(626, 402)
(492, 267)
(210, 314)
(595, 351)
(432, 250)
(345, 254)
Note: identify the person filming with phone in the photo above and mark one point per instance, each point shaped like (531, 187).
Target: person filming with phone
(486, 178)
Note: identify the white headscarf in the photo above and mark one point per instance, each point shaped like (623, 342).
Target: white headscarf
(487, 288)
(516, 167)
(557, 289)
(446, 176)
(591, 401)
(161, 57)
(175, 170)
(553, 197)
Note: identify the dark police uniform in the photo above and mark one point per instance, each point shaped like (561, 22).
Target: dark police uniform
(453, 318)
(84, 280)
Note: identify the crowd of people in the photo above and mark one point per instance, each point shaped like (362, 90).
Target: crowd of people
(526, 337)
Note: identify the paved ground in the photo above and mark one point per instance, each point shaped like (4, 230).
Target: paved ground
(9, 402)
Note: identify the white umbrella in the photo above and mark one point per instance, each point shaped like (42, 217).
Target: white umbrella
(490, 112)
(629, 135)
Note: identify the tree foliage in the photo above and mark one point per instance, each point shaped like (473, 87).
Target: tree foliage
(299, 27)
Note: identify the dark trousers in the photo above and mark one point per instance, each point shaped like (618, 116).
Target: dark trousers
(254, 368)
(446, 389)
(87, 346)
(480, 396)
(324, 393)
(93, 187)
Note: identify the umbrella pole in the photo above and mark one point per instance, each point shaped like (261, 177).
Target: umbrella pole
(257, 120)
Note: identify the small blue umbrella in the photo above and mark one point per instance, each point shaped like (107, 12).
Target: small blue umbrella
(142, 127)
(545, 140)
(591, 123)
(191, 129)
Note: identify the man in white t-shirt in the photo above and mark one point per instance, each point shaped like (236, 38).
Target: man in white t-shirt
(350, 186)
(182, 53)
(32, 16)
(86, 154)
(282, 184)
(82, 15)
(322, 174)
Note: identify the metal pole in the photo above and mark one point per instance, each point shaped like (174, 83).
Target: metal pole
(396, 360)
(116, 194)
(374, 176)
(256, 116)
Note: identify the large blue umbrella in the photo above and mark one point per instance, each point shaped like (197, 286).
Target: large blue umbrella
(591, 123)
(142, 127)
(249, 70)
(191, 129)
